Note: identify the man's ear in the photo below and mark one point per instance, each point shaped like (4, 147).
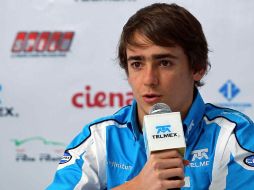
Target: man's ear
(198, 75)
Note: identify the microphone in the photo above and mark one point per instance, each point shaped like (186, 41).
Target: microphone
(163, 130)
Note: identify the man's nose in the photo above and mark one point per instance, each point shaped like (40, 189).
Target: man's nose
(151, 76)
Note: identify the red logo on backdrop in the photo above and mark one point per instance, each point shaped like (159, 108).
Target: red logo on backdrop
(101, 99)
(42, 43)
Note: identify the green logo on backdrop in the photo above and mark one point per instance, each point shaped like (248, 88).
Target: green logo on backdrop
(18, 142)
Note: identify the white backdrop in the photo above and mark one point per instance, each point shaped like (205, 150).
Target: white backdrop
(47, 96)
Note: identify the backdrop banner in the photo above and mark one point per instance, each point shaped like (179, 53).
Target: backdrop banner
(59, 71)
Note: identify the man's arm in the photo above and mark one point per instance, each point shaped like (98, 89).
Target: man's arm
(80, 167)
(232, 167)
(241, 161)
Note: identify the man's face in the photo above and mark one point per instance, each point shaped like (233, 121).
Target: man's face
(160, 74)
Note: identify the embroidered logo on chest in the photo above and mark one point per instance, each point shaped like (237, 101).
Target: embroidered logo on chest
(199, 158)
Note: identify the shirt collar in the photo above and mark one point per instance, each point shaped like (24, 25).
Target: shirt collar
(132, 120)
(194, 115)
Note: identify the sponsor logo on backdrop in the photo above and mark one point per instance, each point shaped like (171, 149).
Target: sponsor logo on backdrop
(42, 44)
(38, 149)
(6, 110)
(229, 90)
(87, 98)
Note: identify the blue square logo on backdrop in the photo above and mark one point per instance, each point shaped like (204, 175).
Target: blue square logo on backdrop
(229, 90)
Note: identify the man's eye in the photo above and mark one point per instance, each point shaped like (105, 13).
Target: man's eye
(136, 65)
(165, 63)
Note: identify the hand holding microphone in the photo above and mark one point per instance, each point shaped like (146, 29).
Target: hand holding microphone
(159, 170)
(165, 143)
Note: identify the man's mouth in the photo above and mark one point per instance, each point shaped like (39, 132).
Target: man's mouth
(151, 98)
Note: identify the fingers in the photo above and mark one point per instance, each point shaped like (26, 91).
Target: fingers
(168, 168)
(166, 154)
(168, 184)
(172, 178)
(174, 173)
(167, 159)
(174, 183)
(163, 170)
(158, 164)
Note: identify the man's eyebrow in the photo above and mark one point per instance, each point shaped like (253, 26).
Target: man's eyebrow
(136, 58)
(166, 55)
(155, 56)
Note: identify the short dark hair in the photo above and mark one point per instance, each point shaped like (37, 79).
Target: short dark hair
(167, 25)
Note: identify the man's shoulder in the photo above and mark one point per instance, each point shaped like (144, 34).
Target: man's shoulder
(100, 125)
(243, 125)
(213, 112)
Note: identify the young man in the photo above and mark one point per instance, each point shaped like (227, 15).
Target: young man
(165, 55)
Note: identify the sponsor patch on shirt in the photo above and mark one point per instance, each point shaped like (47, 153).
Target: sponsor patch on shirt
(199, 158)
(119, 165)
(249, 160)
(65, 158)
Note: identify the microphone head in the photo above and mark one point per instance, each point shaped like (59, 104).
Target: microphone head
(159, 108)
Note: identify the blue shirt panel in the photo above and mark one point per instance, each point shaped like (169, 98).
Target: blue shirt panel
(126, 154)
